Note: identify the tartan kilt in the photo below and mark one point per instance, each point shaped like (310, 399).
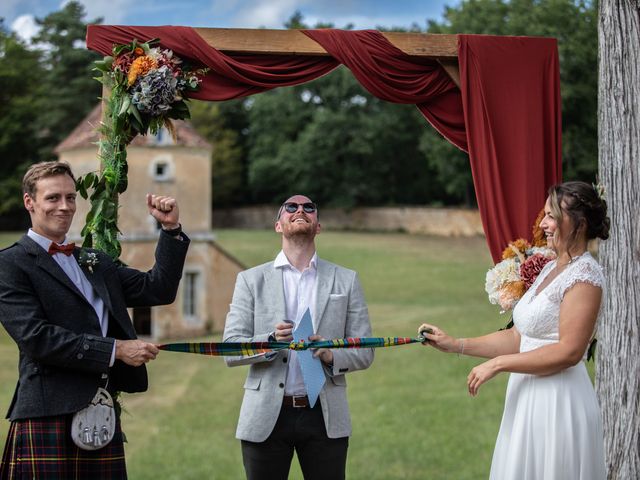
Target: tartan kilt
(42, 448)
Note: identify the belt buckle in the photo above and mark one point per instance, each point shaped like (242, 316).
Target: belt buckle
(302, 398)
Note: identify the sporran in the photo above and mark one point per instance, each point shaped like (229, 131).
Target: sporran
(93, 427)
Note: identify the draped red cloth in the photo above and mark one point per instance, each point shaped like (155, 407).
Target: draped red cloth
(512, 111)
(506, 114)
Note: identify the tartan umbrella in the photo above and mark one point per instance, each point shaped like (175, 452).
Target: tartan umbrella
(221, 349)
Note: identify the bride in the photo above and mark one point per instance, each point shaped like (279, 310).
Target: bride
(551, 427)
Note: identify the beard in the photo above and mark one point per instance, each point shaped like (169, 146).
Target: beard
(297, 231)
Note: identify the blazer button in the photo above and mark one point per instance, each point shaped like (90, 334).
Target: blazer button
(86, 346)
(79, 356)
(281, 385)
(36, 369)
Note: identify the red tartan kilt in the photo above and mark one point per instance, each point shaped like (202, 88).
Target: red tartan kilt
(42, 448)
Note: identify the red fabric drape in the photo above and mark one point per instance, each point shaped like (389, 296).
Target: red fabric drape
(512, 111)
(506, 115)
(391, 75)
(230, 76)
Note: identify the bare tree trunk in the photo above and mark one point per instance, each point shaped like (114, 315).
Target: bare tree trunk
(618, 358)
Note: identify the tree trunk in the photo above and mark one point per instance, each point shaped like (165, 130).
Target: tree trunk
(618, 358)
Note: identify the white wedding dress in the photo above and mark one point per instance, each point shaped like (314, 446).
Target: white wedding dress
(551, 426)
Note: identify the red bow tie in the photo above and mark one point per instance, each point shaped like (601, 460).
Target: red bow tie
(66, 249)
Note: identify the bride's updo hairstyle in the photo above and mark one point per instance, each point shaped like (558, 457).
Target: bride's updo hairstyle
(586, 208)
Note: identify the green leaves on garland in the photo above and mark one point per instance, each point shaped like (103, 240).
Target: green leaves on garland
(146, 86)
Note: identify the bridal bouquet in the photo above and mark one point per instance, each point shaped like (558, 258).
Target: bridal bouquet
(521, 264)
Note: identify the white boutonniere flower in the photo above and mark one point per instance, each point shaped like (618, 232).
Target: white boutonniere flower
(88, 260)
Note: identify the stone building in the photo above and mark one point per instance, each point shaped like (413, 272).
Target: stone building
(181, 169)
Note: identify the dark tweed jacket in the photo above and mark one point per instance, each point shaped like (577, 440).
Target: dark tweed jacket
(63, 354)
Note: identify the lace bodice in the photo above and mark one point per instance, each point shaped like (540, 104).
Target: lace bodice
(536, 315)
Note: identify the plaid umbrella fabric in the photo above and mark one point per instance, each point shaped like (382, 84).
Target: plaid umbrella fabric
(221, 349)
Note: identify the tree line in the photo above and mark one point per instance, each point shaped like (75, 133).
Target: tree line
(329, 138)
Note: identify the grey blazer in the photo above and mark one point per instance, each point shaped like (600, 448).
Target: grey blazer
(63, 354)
(257, 305)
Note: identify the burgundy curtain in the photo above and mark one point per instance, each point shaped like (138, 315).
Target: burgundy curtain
(512, 112)
(506, 114)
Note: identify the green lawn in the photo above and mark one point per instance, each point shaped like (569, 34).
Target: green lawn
(412, 417)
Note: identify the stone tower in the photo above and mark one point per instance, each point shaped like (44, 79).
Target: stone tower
(182, 169)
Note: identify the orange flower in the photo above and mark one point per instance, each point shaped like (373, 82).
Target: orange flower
(539, 238)
(138, 51)
(516, 249)
(512, 292)
(141, 66)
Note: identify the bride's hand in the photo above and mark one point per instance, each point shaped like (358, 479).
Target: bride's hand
(481, 374)
(438, 338)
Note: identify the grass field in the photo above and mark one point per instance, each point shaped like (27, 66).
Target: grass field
(412, 417)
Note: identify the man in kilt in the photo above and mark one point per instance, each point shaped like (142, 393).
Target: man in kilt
(66, 309)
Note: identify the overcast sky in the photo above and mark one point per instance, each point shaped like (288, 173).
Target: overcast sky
(19, 14)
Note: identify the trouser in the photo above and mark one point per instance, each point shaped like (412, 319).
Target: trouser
(302, 430)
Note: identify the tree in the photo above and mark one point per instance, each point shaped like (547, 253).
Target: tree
(339, 144)
(20, 77)
(72, 92)
(224, 125)
(335, 141)
(451, 168)
(46, 91)
(618, 359)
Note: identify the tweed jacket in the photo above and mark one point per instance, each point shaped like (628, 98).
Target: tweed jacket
(258, 304)
(63, 355)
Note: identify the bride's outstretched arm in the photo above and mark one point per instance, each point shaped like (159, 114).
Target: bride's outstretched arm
(578, 315)
(488, 346)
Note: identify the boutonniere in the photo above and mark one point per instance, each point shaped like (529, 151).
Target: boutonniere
(88, 259)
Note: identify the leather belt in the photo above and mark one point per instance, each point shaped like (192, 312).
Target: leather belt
(301, 401)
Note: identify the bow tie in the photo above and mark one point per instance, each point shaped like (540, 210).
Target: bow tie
(66, 249)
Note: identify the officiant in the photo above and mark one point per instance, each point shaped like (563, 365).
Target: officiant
(66, 309)
(279, 412)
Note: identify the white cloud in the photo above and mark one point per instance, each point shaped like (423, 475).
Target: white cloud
(267, 13)
(360, 22)
(25, 26)
(112, 11)
(361, 13)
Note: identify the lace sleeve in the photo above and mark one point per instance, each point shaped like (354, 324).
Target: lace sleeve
(587, 270)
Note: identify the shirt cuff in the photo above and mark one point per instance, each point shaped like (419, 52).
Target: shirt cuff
(113, 355)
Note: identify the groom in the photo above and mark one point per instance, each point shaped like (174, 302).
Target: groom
(268, 303)
(69, 319)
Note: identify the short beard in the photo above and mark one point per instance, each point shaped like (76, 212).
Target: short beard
(299, 236)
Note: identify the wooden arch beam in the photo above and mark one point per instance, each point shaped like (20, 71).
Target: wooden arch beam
(440, 47)
(294, 42)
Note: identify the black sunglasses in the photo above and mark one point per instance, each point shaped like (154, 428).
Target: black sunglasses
(292, 207)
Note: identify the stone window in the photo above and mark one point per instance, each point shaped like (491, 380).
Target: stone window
(162, 168)
(191, 297)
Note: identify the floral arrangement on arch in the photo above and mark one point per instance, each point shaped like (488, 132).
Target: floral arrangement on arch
(146, 87)
(147, 84)
(521, 264)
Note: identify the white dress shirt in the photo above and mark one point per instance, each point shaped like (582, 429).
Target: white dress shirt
(299, 294)
(71, 268)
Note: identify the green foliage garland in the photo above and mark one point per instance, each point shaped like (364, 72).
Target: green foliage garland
(146, 86)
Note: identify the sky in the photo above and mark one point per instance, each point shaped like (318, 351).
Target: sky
(19, 15)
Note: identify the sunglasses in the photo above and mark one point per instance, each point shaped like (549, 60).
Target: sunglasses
(292, 207)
